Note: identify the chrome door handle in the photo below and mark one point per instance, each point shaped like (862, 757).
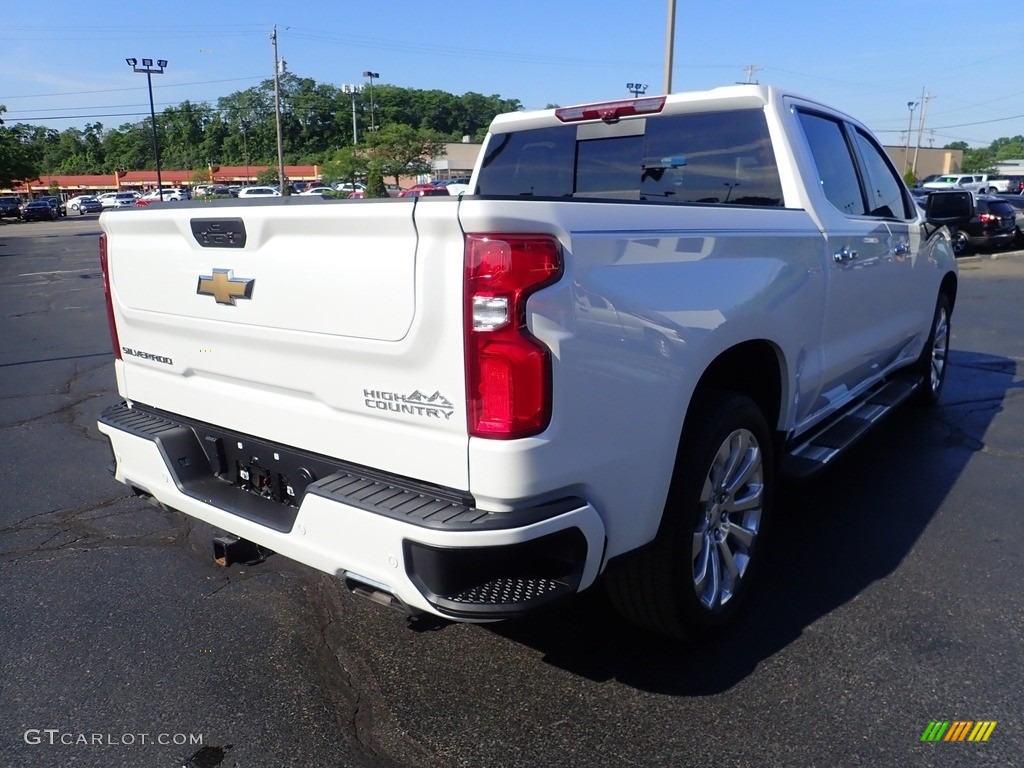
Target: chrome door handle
(844, 254)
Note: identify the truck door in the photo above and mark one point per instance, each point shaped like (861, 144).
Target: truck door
(869, 255)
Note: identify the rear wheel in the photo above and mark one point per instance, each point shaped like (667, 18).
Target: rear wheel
(691, 581)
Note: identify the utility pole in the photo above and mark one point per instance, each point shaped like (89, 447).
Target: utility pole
(353, 92)
(910, 127)
(245, 145)
(751, 70)
(670, 38)
(277, 113)
(925, 98)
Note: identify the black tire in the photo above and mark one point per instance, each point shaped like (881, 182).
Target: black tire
(934, 361)
(670, 588)
(961, 243)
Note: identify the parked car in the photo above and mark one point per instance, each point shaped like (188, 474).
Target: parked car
(10, 207)
(38, 210)
(86, 205)
(993, 225)
(921, 194)
(71, 204)
(118, 199)
(57, 205)
(1016, 202)
(349, 187)
(167, 195)
(448, 182)
(423, 190)
(258, 192)
(392, 190)
(316, 191)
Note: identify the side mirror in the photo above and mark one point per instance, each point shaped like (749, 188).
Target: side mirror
(955, 207)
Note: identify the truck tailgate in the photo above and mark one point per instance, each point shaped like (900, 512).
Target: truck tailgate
(302, 324)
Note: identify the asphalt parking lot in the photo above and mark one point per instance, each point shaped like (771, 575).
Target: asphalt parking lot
(893, 598)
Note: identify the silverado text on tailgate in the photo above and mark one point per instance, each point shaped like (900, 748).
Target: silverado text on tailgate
(597, 363)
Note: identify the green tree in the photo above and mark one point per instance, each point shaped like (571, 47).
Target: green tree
(16, 162)
(375, 182)
(401, 150)
(316, 122)
(249, 115)
(347, 164)
(267, 177)
(181, 131)
(92, 137)
(129, 147)
(978, 160)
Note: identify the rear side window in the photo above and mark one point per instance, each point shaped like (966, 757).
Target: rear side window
(713, 157)
(837, 173)
(995, 207)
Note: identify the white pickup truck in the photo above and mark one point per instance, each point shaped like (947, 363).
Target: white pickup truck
(981, 183)
(599, 363)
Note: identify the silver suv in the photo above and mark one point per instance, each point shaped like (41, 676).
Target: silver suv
(118, 200)
(167, 195)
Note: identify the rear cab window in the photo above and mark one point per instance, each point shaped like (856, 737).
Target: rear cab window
(722, 158)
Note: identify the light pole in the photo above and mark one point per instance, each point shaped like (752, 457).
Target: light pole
(147, 67)
(910, 124)
(637, 89)
(353, 91)
(371, 76)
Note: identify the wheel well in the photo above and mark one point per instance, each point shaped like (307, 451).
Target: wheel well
(752, 369)
(948, 287)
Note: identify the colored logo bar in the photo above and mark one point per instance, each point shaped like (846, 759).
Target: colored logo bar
(958, 730)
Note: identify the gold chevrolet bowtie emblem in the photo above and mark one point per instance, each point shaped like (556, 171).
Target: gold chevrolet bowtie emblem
(224, 287)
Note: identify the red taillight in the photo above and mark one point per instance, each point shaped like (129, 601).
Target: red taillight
(108, 297)
(987, 217)
(610, 111)
(508, 371)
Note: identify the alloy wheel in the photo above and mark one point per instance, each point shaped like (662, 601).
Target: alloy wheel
(731, 503)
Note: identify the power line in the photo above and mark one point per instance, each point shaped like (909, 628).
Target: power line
(116, 90)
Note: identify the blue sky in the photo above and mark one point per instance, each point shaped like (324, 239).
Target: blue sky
(63, 64)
